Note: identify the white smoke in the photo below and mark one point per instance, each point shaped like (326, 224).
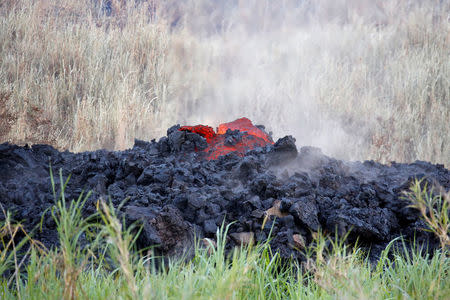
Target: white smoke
(294, 66)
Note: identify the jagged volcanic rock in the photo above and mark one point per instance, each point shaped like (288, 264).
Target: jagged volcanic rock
(177, 194)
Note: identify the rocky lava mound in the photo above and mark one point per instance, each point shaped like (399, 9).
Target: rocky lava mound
(190, 182)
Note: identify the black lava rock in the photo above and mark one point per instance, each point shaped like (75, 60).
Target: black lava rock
(176, 195)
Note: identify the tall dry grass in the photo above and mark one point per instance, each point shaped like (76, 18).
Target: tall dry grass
(361, 79)
(79, 81)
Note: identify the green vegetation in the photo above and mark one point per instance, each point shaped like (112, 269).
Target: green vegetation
(434, 208)
(360, 88)
(108, 267)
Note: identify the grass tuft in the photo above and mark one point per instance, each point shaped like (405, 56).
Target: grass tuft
(434, 208)
(96, 259)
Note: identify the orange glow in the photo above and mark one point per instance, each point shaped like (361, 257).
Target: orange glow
(251, 138)
(244, 125)
(205, 131)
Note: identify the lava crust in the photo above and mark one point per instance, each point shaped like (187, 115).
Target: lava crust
(176, 193)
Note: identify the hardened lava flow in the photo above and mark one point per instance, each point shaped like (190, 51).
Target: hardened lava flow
(193, 180)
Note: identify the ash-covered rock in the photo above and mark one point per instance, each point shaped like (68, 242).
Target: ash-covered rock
(176, 195)
(232, 137)
(283, 151)
(181, 141)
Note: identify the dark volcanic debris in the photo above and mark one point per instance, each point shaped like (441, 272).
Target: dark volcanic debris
(177, 195)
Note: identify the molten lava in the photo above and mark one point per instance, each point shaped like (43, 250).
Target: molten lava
(238, 136)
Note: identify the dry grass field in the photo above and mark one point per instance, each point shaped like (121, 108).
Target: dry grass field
(360, 79)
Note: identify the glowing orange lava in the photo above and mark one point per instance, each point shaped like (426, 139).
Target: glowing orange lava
(218, 145)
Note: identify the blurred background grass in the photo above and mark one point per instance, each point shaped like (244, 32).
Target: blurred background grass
(360, 79)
